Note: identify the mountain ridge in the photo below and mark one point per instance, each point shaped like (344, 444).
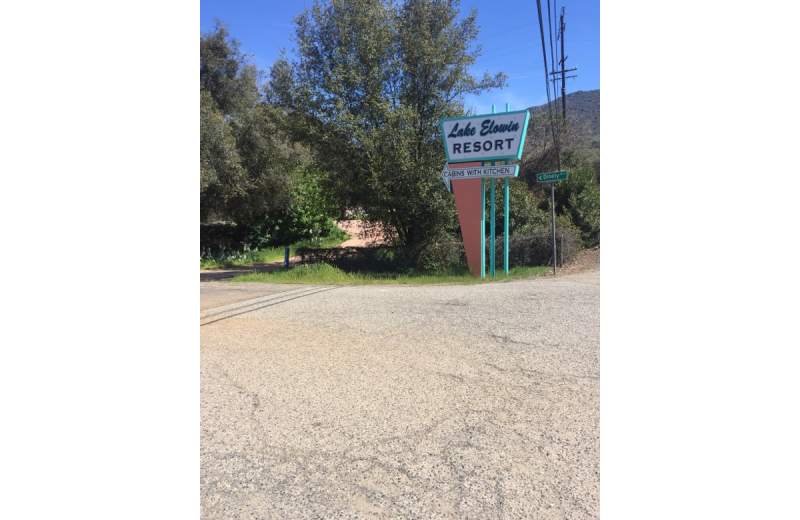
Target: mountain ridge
(583, 117)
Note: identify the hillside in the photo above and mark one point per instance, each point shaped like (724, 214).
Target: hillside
(583, 117)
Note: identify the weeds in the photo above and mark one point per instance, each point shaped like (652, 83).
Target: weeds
(325, 274)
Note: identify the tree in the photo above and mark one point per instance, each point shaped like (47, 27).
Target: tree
(370, 83)
(578, 197)
(221, 173)
(245, 164)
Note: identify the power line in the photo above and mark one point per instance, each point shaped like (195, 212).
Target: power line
(510, 45)
(547, 83)
(558, 36)
(530, 68)
(550, 28)
(506, 30)
(552, 128)
(506, 53)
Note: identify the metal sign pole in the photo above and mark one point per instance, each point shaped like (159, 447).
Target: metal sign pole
(491, 241)
(483, 228)
(553, 209)
(491, 225)
(505, 229)
(505, 221)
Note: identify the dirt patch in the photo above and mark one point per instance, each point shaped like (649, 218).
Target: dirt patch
(360, 234)
(583, 261)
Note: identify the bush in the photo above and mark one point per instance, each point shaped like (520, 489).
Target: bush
(439, 253)
(536, 248)
(524, 214)
(351, 259)
(218, 238)
(579, 197)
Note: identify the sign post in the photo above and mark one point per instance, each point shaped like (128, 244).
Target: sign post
(505, 221)
(553, 210)
(483, 228)
(552, 177)
(505, 229)
(491, 239)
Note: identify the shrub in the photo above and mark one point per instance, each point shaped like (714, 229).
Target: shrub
(350, 259)
(536, 248)
(441, 252)
(219, 237)
(579, 197)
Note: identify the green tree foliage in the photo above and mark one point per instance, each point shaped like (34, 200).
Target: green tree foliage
(527, 215)
(222, 176)
(523, 215)
(370, 84)
(226, 73)
(579, 198)
(245, 166)
(309, 214)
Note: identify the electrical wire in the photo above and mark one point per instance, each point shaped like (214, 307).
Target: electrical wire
(546, 81)
(552, 58)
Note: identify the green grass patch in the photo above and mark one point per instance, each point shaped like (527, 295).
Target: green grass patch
(324, 274)
(270, 254)
(336, 237)
(235, 258)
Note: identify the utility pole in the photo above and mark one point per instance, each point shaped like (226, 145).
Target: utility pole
(563, 79)
(563, 70)
(552, 127)
(553, 206)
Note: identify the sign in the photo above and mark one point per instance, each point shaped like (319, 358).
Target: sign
(551, 177)
(469, 143)
(490, 137)
(504, 170)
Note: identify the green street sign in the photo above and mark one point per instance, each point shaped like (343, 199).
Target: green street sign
(551, 177)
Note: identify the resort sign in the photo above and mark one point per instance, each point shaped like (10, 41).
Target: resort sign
(489, 137)
(470, 143)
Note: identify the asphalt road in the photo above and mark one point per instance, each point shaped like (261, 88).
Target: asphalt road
(401, 401)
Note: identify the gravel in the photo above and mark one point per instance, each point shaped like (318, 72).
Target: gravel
(403, 401)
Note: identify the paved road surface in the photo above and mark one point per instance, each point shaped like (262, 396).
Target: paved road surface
(401, 401)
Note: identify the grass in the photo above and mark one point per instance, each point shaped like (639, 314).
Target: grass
(234, 258)
(324, 274)
(270, 254)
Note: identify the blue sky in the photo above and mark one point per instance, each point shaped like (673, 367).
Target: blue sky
(509, 37)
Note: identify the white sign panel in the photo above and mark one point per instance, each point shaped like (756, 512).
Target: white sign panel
(489, 137)
(449, 174)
